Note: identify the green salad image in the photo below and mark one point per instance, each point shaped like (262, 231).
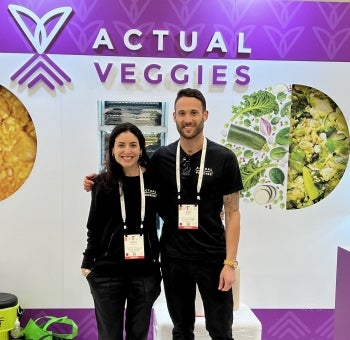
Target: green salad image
(292, 143)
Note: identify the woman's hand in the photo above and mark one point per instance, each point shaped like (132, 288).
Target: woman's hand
(88, 182)
(85, 272)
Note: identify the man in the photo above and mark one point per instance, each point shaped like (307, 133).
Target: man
(196, 177)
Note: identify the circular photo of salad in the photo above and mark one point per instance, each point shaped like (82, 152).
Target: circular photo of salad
(18, 143)
(292, 143)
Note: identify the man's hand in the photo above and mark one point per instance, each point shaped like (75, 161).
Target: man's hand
(227, 278)
(89, 182)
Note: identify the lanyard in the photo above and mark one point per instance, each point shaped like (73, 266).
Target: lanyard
(201, 170)
(143, 201)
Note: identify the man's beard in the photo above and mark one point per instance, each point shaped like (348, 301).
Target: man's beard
(198, 129)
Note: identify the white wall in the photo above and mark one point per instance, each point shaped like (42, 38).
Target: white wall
(287, 258)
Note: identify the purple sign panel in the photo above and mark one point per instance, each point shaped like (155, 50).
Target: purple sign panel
(221, 29)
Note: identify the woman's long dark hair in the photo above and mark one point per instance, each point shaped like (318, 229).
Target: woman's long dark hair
(113, 171)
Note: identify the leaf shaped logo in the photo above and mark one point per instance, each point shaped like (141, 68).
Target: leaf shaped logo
(40, 38)
(332, 42)
(285, 11)
(134, 9)
(185, 10)
(283, 42)
(235, 11)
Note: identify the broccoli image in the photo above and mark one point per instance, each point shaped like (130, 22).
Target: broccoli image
(258, 104)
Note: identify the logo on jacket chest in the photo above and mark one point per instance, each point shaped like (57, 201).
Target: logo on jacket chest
(207, 171)
(150, 193)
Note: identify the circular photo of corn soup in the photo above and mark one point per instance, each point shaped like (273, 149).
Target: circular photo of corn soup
(18, 143)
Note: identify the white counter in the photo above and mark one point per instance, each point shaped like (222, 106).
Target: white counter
(246, 326)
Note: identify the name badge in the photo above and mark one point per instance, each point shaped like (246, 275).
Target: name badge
(134, 247)
(188, 216)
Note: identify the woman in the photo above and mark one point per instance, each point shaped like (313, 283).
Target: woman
(121, 258)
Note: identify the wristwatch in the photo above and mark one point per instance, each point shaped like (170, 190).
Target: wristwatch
(231, 263)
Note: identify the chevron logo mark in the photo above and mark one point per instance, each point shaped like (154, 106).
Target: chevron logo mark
(289, 327)
(87, 326)
(326, 329)
(40, 68)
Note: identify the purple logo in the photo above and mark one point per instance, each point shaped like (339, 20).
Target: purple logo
(40, 67)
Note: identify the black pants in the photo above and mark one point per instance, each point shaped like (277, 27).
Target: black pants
(180, 279)
(110, 296)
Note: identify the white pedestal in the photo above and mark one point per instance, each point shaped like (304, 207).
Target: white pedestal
(246, 326)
